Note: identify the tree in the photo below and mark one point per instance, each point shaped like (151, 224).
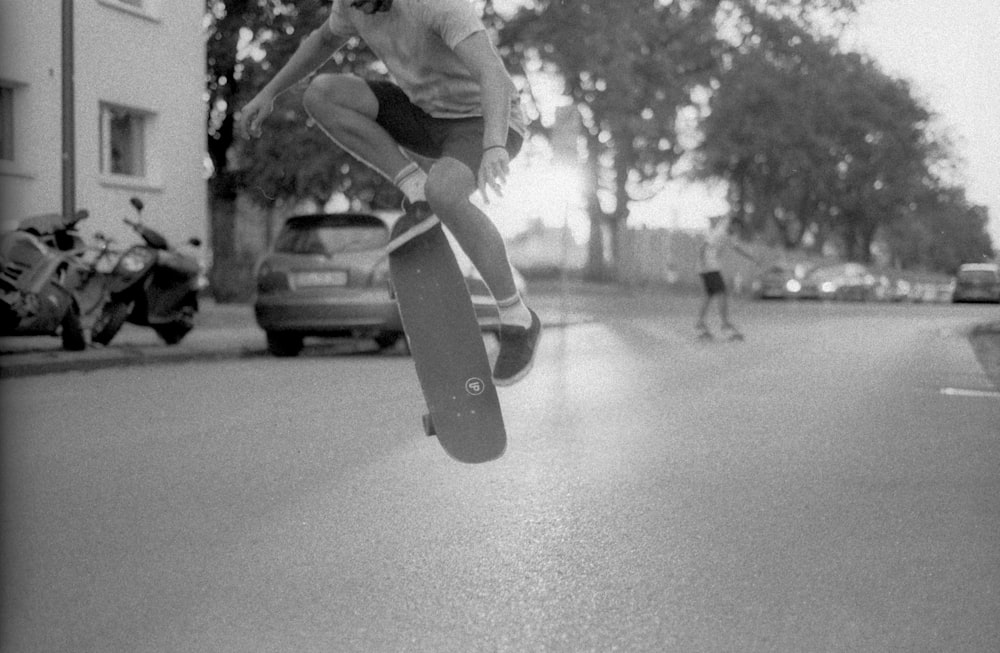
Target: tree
(248, 41)
(819, 145)
(628, 65)
(816, 142)
(631, 67)
(940, 231)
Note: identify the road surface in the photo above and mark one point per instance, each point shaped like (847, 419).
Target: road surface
(829, 485)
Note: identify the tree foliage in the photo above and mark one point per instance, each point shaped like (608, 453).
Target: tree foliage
(248, 42)
(815, 142)
(632, 67)
(818, 145)
(941, 231)
(821, 147)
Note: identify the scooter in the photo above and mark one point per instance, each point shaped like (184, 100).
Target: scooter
(36, 287)
(86, 276)
(153, 285)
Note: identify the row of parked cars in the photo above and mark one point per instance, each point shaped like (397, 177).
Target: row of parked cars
(974, 282)
(327, 276)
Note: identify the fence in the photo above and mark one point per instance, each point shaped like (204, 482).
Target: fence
(666, 257)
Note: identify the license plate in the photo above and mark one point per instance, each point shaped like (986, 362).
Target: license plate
(317, 279)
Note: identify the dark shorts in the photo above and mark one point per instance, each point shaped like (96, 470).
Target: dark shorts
(434, 138)
(713, 282)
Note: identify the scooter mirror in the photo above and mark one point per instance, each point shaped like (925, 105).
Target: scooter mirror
(137, 203)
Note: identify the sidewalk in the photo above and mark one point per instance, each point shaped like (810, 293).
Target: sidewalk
(222, 331)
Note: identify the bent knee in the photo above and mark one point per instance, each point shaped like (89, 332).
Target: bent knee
(332, 91)
(449, 183)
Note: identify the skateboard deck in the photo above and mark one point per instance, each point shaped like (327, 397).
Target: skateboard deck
(702, 334)
(447, 349)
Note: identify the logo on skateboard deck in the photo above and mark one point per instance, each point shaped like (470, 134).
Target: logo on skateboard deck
(475, 387)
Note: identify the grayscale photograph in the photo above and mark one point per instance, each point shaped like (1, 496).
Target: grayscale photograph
(454, 326)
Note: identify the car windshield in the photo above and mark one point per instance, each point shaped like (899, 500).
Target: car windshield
(330, 239)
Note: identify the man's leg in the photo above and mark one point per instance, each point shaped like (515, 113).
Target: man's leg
(724, 309)
(450, 183)
(345, 108)
(703, 311)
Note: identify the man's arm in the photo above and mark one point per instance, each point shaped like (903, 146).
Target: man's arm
(745, 254)
(312, 53)
(477, 53)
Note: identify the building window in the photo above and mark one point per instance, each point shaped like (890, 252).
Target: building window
(123, 134)
(146, 9)
(6, 123)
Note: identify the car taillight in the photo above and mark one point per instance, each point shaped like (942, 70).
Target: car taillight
(269, 280)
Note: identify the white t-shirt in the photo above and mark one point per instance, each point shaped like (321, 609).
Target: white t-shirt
(415, 40)
(715, 243)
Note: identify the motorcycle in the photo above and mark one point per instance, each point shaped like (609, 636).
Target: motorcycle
(38, 275)
(153, 285)
(88, 270)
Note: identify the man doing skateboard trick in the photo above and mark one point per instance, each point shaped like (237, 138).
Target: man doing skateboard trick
(453, 102)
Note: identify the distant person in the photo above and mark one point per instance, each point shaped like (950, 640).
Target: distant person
(451, 101)
(717, 241)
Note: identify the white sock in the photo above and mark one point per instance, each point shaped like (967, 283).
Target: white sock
(513, 311)
(411, 181)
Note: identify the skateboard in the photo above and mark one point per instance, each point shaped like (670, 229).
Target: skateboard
(731, 334)
(728, 334)
(447, 349)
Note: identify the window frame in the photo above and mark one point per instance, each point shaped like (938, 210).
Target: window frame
(146, 9)
(148, 177)
(8, 119)
(15, 166)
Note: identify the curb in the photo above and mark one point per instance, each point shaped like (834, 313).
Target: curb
(205, 344)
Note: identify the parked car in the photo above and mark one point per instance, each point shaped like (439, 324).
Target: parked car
(977, 282)
(327, 275)
(781, 282)
(845, 281)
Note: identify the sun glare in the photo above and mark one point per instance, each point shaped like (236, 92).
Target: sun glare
(540, 191)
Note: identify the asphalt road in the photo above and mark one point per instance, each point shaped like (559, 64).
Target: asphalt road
(829, 485)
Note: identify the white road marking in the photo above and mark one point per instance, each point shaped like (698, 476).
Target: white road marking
(961, 392)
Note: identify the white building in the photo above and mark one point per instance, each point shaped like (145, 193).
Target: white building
(139, 112)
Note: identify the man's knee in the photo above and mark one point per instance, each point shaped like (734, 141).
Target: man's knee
(330, 92)
(449, 184)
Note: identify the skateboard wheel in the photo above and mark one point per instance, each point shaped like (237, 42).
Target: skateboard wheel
(429, 425)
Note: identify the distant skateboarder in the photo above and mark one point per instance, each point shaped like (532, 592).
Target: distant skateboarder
(716, 242)
(452, 101)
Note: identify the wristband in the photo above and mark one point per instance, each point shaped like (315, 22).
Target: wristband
(493, 147)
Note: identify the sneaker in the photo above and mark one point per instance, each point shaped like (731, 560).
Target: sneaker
(417, 219)
(517, 351)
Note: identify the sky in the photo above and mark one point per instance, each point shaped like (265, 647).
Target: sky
(949, 50)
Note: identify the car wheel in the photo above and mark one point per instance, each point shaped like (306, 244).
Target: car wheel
(283, 344)
(109, 322)
(387, 339)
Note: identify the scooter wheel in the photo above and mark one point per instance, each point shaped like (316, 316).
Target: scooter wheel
(72, 331)
(110, 322)
(173, 332)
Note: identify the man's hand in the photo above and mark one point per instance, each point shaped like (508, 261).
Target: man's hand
(253, 115)
(493, 171)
